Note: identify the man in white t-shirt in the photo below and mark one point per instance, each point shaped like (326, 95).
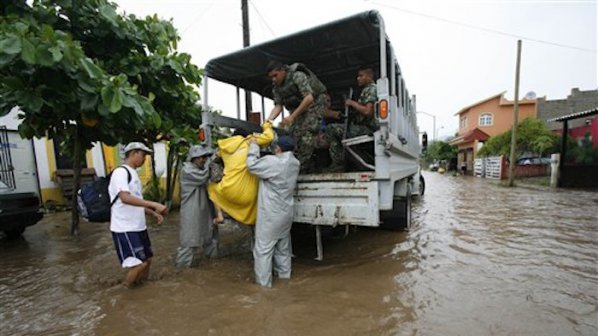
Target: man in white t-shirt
(127, 218)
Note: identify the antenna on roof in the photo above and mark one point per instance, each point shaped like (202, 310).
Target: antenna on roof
(530, 95)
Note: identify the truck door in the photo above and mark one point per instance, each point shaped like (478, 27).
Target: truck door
(23, 162)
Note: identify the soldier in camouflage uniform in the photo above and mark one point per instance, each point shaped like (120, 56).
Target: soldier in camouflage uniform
(361, 122)
(299, 90)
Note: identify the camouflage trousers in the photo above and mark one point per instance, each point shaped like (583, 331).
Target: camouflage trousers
(334, 133)
(305, 130)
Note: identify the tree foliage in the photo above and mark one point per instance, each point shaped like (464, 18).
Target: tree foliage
(582, 151)
(80, 71)
(440, 150)
(532, 137)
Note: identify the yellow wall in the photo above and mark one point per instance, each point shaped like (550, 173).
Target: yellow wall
(52, 195)
(113, 160)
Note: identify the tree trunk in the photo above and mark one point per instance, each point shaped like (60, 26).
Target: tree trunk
(174, 179)
(169, 175)
(76, 183)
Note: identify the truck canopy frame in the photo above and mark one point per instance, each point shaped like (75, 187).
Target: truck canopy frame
(333, 51)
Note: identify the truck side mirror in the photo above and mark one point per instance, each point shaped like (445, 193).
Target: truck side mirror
(424, 141)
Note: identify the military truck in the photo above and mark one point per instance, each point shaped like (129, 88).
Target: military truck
(385, 174)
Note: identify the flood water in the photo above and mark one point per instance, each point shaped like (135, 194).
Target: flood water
(482, 259)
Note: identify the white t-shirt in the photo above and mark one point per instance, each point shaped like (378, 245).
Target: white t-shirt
(125, 217)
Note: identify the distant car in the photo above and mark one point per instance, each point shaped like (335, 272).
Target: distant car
(433, 166)
(18, 210)
(533, 161)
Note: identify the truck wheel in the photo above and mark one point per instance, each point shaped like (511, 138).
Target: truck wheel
(399, 218)
(14, 233)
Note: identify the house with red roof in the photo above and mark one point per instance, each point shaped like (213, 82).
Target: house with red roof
(486, 118)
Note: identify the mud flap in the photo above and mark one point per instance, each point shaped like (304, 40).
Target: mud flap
(399, 218)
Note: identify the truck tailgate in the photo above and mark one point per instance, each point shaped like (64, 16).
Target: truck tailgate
(337, 199)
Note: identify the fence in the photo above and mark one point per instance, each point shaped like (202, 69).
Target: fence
(488, 167)
(497, 167)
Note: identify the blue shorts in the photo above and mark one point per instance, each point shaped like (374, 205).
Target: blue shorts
(132, 248)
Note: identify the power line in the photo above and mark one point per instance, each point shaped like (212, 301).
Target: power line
(196, 18)
(262, 18)
(489, 30)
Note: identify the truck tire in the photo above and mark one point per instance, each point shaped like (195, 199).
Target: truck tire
(14, 233)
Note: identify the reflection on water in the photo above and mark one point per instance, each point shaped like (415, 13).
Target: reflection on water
(481, 260)
(491, 260)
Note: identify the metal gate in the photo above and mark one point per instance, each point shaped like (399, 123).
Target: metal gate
(7, 175)
(488, 167)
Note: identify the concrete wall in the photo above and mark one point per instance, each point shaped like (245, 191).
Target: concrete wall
(577, 101)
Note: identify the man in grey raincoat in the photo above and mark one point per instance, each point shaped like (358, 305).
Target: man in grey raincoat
(196, 234)
(278, 178)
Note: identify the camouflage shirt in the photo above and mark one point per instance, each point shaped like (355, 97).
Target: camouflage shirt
(292, 91)
(368, 95)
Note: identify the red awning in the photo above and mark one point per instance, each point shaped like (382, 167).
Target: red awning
(474, 134)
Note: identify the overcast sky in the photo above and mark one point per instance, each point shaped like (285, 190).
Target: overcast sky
(452, 53)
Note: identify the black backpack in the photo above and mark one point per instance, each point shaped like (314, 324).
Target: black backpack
(93, 199)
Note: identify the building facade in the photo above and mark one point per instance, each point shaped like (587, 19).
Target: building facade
(484, 119)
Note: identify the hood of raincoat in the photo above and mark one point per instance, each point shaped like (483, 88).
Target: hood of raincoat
(198, 151)
(232, 144)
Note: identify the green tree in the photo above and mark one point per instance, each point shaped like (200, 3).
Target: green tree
(440, 150)
(80, 71)
(582, 151)
(532, 137)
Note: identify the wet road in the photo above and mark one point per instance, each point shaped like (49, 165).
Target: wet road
(482, 260)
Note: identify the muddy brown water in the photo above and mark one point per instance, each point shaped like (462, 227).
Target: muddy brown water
(482, 260)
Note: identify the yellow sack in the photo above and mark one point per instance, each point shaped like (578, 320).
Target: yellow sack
(236, 193)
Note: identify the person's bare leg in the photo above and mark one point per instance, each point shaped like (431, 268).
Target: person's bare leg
(143, 275)
(219, 219)
(133, 274)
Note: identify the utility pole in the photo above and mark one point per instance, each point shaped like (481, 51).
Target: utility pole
(515, 117)
(433, 123)
(245, 11)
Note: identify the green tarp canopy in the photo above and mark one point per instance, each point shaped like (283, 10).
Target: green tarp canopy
(333, 51)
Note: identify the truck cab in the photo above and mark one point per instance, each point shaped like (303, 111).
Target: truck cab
(377, 192)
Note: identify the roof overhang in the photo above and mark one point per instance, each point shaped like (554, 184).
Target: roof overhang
(501, 102)
(576, 115)
(474, 134)
(480, 102)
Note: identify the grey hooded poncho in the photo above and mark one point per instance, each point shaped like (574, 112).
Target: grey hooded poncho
(196, 232)
(278, 178)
